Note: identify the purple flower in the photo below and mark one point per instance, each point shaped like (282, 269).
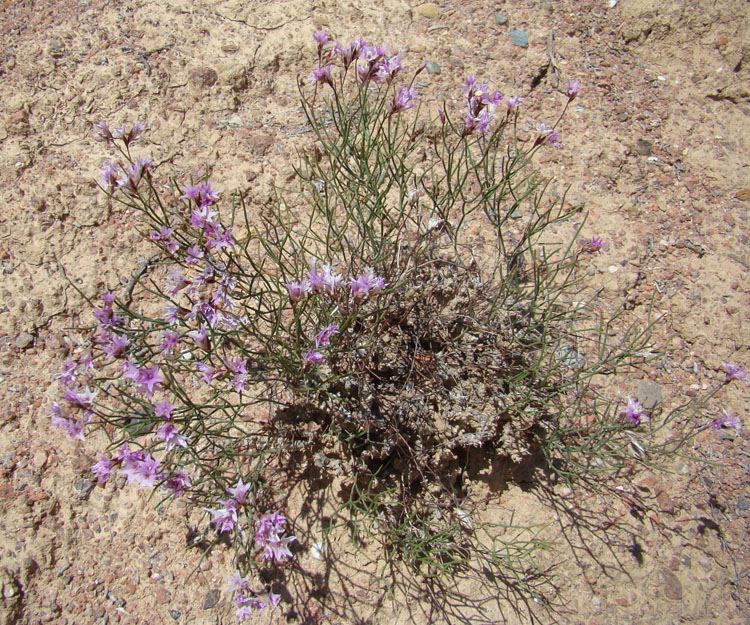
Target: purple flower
(364, 284)
(194, 253)
(202, 194)
(239, 492)
(201, 338)
(573, 89)
(102, 470)
(237, 583)
(169, 342)
(735, 372)
(68, 373)
(128, 136)
(224, 518)
(634, 412)
(102, 132)
(110, 174)
(138, 466)
(81, 399)
(170, 435)
(72, 427)
(596, 244)
(547, 135)
(323, 281)
(172, 315)
(269, 537)
(163, 409)
(404, 99)
(178, 483)
(116, 346)
(149, 379)
(204, 218)
(209, 373)
(219, 240)
(313, 358)
(323, 337)
(726, 420)
(128, 181)
(321, 76)
(321, 38)
(513, 102)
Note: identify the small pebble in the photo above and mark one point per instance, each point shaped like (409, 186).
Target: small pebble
(519, 38)
(212, 598)
(432, 67)
(501, 19)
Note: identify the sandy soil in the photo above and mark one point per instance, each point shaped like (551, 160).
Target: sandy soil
(656, 147)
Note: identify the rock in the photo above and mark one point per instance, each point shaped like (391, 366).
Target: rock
(432, 67)
(672, 585)
(666, 503)
(24, 340)
(548, 5)
(501, 18)
(229, 47)
(649, 394)
(519, 38)
(743, 194)
(203, 77)
(212, 598)
(643, 147)
(260, 144)
(622, 116)
(84, 488)
(175, 614)
(162, 595)
(429, 10)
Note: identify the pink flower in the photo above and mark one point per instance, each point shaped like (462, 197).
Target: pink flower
(321, 76)
(239, 492)
(634, 412)
(596, 244)
(726, 420)
(178, 483)
(171, 436)
(404, 99)
(323, 337)
(735, 372)
(314, 358)
(270, 538)
(102, 470)
(297, 290)
(225, 518)
(149, 379)
(573, 89)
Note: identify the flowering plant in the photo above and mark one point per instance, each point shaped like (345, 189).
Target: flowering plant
(372, 340)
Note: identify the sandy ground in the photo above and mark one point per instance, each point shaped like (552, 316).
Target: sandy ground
(656, 147)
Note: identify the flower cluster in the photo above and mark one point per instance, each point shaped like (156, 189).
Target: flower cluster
(372, 63)
(323, 280)
(480, 104)
(248, 602)
(271, 539)
(225, 517)
(140, 467)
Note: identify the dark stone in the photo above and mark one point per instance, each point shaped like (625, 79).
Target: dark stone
(204, 77)
(212, 598)
(643, 147)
